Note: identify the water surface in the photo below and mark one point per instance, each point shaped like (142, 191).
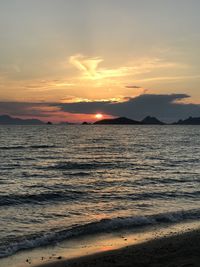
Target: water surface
(57, 182)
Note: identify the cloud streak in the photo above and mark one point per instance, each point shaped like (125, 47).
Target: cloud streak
(133, 87)
(90, 69)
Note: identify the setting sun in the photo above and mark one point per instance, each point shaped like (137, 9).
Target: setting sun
(99, 116)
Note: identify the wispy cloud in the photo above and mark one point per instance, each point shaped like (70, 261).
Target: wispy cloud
(91, 67)
(170, 78)
(94, 79)
(91, 70)
(133, 87)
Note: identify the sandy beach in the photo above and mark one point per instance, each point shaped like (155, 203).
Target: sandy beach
(182, 250)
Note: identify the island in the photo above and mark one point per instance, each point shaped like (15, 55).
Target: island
(189, 121)
(8, 120)
(120, 120)
(126, 121)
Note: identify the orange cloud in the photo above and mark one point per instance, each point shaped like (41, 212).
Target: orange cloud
(90, 68)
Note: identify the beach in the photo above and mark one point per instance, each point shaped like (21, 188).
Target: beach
(182, 250)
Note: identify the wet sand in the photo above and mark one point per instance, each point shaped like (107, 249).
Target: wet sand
(182, 250)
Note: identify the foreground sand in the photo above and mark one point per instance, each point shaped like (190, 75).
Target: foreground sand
(177, 251)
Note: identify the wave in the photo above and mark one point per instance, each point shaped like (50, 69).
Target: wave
(152, 181)
(26, 147)
(97, 227)
(16, 199)
(154, 195)
(11, 147)
(67, 195)
(79, 166)
(89, 165)
(77, 174)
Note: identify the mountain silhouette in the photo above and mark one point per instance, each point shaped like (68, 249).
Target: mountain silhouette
(120, 120)
(189, 121)
(7, 120)
(152, 121)
(123, 120)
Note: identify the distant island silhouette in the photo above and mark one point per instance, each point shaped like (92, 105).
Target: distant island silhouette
(123, 120)
(120, 120)
(146, 121)
(8, 120)
(189, 121)
(152, 121)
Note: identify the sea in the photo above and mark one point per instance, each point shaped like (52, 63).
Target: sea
(60, 182)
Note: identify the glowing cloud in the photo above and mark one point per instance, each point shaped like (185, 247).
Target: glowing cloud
(90, 68)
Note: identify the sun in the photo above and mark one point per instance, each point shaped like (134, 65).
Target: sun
(99, 116)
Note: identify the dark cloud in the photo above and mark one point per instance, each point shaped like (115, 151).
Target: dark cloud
(133, 87)
(165, 107)
(145, 90)
(25, 109)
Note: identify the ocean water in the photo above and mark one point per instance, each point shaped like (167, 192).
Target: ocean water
(59, 182)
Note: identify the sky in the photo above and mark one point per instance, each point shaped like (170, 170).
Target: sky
(64, 60)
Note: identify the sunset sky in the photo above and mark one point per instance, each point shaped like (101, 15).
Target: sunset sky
(65, 60)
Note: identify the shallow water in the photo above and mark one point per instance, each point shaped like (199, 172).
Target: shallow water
(57, 182)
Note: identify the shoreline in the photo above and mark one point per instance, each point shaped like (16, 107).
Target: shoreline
(73, 251)
(182, 249)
